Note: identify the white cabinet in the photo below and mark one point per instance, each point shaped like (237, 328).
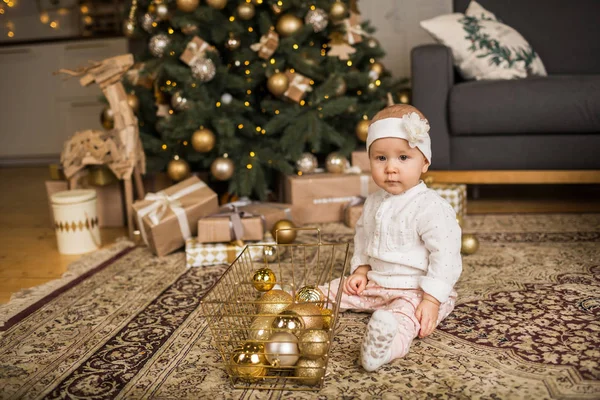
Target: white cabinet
(39, 110)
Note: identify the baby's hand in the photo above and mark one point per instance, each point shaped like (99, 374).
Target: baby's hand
(355, 284)
(427, 314)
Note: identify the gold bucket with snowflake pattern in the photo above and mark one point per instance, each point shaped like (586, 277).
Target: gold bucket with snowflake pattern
(76, 221)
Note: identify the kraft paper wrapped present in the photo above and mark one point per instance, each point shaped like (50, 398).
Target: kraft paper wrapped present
(271, 212)
(205, 254)
(168, 218)
(360, 159)
(109, 201)
(227, 226)
(455, 194)
(352, 211)
(322, 197)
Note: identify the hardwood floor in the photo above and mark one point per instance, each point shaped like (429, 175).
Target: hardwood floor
(29, 255)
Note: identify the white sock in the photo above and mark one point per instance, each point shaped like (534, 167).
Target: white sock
(377, 342)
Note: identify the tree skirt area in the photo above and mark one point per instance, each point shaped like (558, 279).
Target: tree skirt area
(125, 324)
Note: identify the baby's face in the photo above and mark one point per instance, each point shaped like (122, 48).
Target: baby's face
(395, 166)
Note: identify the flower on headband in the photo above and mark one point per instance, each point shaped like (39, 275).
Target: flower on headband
(416, 128)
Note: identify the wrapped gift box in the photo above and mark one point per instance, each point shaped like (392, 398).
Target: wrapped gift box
(322, 197)
(205, 254)
(109, 201)
(168, 218)
(352, 213)
(361, 159)
(229, 226)
(455, 194)
(271, 212)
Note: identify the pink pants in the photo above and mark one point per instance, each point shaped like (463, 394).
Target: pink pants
(401, 302)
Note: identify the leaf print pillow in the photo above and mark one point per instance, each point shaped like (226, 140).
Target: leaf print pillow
(483, 47)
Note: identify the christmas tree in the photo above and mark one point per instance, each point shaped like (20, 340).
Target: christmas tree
(249, 89)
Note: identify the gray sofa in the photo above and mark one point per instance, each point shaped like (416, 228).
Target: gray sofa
(537, 123)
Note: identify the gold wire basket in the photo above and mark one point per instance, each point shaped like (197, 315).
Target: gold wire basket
(252, 332)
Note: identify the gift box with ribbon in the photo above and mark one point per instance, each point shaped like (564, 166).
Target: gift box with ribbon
(360, 159)
(270, 212)
(204, 254)
(354, 32)
(352, 211)
(267, 45)
(322, 197)
(298, 87)
(232, 225)
(168, 218)
(195, 50)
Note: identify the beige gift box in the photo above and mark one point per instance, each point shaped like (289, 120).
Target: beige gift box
(322, 197)
(168, 218)
(205, 254)
(360, 159)
(271, 212)
(455, 194)
(218, 229)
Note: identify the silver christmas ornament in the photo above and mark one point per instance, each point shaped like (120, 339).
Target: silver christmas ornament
(307, 163)
(226, 98)
(317, 18)
(204, 69)
(233, 42)
(282, 349)
(147, 21)
(178, 102)
(158, 44)
(162, 11)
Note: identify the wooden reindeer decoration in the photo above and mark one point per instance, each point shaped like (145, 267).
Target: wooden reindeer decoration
(120, 148)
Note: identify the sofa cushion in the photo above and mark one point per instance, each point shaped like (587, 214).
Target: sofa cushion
(563, 33)
(552, 104)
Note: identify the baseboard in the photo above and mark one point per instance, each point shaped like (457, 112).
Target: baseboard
(29, 161)
(516, 177)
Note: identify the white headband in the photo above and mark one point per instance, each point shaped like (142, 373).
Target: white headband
(410, 127)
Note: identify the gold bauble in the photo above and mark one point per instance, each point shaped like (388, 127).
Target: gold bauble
(218, 4)
(335, 163)
(311, 294)
(469, 244)
(310, 313)
(246, 11)
(338, 11)
(260, 329)
(313, 343)
(284, 231)
(460, 220)
(278, 83)
(270, 253)
(203, 140)
(107, 118)
(249, 362)
(362, 129)
(282, 349)
(222, 168)
(133, 102)
(161, 11)
(263, 279)
(377, 68)
(233, 42)
(187, 5)
(129, 28)
(404, 96)
(310, 372)
(288, 24)
(327, 318)
(274, 301)
(178, 169)
(288, 321)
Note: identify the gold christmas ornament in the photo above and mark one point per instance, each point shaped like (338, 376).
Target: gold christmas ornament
(270, 253)
(133, 102)
(203, 140)
(284, 231)
(218, 4)
(362, 129)
(278, 83)
(335, 163)
(222, 168)
(161, 11)
(307, 163)
(187, 5)
(327, 318)
(311, 314)
(404, 96)
(263, 279)
(249, 361)
(310, 371)
(274, 301)
(260, 329)
(313, 343)
(178, 169)
(338, 11)
(288, 24)
(282, 349)
(233, 42)
(107, 118)
(470, 244)
(246, 11)
(288, 321)
(311, 294)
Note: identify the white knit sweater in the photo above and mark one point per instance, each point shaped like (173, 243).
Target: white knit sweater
(411, 240)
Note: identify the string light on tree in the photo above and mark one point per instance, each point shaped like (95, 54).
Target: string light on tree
(129, 23)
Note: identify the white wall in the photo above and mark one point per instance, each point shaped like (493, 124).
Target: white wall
(398, 30)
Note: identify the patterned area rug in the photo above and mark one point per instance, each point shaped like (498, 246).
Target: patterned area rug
(124, 324)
